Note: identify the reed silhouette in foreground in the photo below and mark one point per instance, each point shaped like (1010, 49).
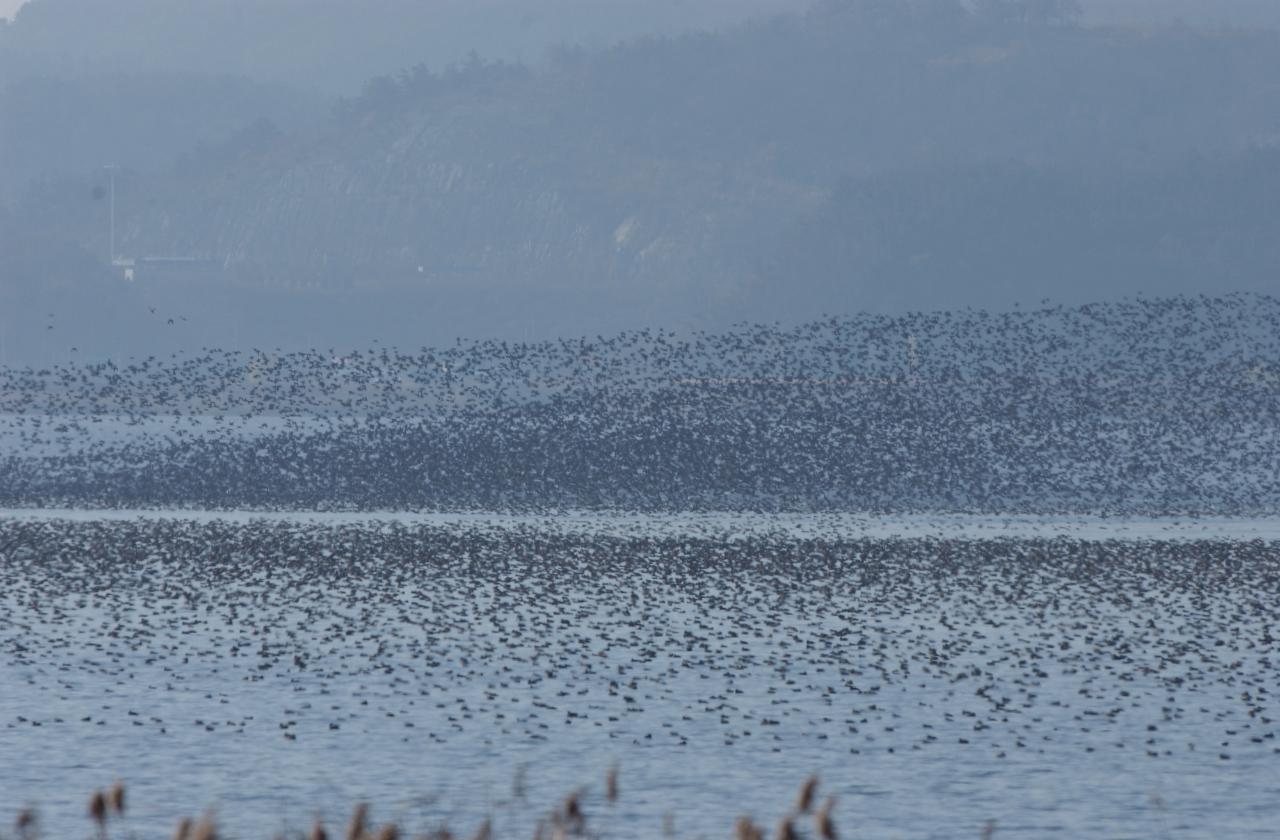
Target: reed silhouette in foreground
(568, 820)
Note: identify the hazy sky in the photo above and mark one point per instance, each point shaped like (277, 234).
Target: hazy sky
(1119, 11)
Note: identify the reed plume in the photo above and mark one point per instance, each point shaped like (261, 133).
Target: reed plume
(574, 820)
(566, 821)
(804, 802)
(98, 811)
(823, 825)
(205, 829)
(115, 798)
(611, 784)
(355, 830)
(25, 824)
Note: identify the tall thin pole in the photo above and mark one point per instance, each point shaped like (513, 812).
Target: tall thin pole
(112, 169)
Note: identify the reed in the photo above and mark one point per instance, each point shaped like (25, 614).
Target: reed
(804, 802)
(823, 825)
(26, 825)
(98, 808)
(745, 829)
(355, 829)
(611, 784)
(115, 798)
(206, 829)
(567, 820)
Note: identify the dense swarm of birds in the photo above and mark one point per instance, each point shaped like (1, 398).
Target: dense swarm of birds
(484, 635)
(989, 649)
(1157, 406)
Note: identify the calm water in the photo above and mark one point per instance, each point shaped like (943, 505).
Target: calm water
(724, 525)
(436, 658)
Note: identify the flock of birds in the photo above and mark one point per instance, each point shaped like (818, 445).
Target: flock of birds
(391, 641)
(480, 638)
(1151, 406)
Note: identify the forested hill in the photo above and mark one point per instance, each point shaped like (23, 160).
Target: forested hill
(861, 155)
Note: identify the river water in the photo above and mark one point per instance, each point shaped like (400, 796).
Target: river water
(1060, 676)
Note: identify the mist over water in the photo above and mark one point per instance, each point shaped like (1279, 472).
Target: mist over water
(311, 175)
(597, 418)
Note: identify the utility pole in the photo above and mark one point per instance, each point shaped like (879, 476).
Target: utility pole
(113, 168)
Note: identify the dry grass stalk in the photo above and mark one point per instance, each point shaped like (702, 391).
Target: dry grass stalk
(355, 830)
(804, 802)
(115, 798)
(611, 784)
(98, 809)
(574, 820)
(205, 829)
(25, 824)
(822, 822)
(566, 821)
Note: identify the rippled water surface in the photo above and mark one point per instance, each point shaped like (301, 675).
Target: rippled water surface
(1063, 677)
